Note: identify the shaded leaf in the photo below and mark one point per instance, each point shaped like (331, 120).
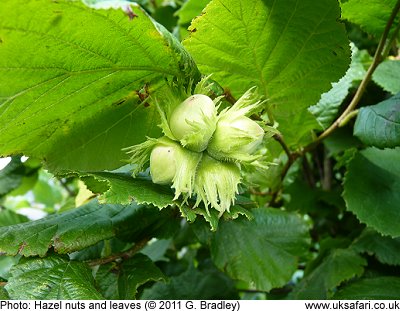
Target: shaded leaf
(193, 284)
(155, 250)
(292, 50)
(274, 240)
(137, 271)
(340, 265)
(121, 281)
(82, 227)
(371, 189)
(384, 248)
(70, 77)
(387, 75)
(371, 15)
(379, 125)
(51, 278)
(107, 280)
(11, 176)
(373, 288)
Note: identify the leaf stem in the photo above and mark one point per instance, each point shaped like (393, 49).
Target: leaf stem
(123, 255)
(378, 57)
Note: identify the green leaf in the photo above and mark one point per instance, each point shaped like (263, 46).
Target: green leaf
(327, 108)
(137, 271)
(11, 176)
(371, 189)
(263, 252)
(379, 125)
(107, 280)
(51, 278)
(292, 50)
(119, 188)
(193, 284)
(82, 227)
(8, 218)
(387, 75)
(6, 262)
(3, 294)
(385, 249)
(121, 281)
(374, 288)
(156, 250)
(70, 78)
(189, 10)
(371, 15)
(340, 265)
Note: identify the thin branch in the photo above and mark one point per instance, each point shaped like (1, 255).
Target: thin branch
(123, 255)
(363, 85)
(3, 283)
(279, 139)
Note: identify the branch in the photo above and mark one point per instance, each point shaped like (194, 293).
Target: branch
(378, 57)
(3, 283)
(124, 255)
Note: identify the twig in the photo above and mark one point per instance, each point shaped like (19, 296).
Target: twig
(3, 283)
(279, 139)
(229, 97)
(125, 255)
(363, 85)
(349, 111)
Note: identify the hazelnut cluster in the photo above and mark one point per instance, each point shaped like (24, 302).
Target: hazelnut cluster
(202, 151)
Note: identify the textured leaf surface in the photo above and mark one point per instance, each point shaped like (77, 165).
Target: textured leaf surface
(387, 75)
(79, 228)
(292, 50)
(263, 252)
(327, 108)
(384, 248)
(121, 281)
(51, 278)
(379, 125)
(373, 288)
(371, 189)
(117, 188)
(340, 265)
(70, 77)
(135, 272)
(371, 15)
(193, 284)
